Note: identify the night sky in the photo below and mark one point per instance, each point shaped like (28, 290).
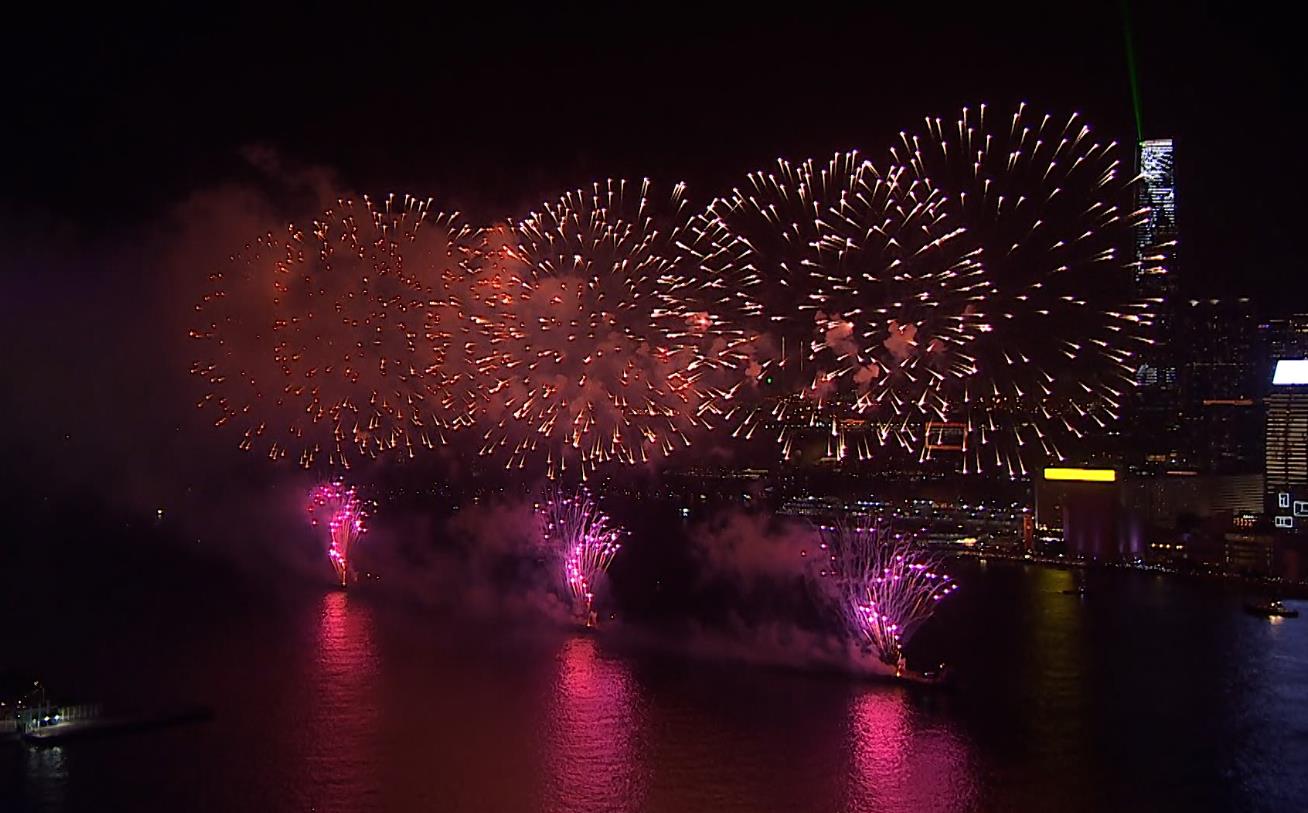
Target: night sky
(114, 123)
(111, 120)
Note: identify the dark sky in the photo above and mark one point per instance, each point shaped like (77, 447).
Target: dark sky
(110, 120)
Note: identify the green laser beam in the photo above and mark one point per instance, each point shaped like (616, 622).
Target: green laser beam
(1131, 70)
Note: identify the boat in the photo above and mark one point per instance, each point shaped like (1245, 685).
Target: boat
(1270, 608)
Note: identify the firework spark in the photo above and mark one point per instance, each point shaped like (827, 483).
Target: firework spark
(1061, 329)
(338, 508)
(598, 350)
(880, 585)
(341, 340)
(974, 296)
(586, 543)
(869, 293)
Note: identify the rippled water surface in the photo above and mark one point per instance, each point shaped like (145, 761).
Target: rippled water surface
(1151, 693)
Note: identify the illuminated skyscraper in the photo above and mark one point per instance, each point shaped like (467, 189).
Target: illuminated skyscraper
(1156, 192)
(1287, 445)
(1156, 437)
(1155, 252)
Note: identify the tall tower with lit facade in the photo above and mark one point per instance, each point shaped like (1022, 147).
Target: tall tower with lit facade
(1156, 191)
(1156, 440)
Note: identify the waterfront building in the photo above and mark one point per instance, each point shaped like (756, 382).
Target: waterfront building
(1287, 446)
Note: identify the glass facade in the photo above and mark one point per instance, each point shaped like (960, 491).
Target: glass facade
(1156, 234)
(1155, 433)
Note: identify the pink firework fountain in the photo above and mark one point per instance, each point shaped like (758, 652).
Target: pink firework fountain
(338, 507)
(573, 526)
(881, 585)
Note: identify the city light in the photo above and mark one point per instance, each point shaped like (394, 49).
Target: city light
(1291, 371)
(1082, 475)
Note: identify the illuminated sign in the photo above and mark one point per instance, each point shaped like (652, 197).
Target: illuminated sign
(1082, 475)
(1285, 522)
(1291, 371)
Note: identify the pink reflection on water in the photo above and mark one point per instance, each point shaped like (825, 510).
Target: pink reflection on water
(342, 727)
(593, 759)
(902, 761)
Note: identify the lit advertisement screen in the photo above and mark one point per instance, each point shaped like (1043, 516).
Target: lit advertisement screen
(1291, 371)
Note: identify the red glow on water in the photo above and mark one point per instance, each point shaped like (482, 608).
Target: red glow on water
(595, 756)
(336, 741)
(898, 763)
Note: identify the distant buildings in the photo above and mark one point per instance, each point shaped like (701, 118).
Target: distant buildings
(995, 524)
(1229, 510)
(1185, 516)
(1083, 505)
(1284, 339)
(1178, 516)
(1287, 445)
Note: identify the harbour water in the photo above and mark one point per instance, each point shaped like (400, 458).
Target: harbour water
(1148, 693)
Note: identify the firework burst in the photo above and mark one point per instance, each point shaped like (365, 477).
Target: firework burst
(1061, 329)
(585, 542)
(597, 348)
(337, 508)
(878, 583)
(868, 294)
(343, 340)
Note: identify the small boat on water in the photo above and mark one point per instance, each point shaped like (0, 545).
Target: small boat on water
(1270, 608)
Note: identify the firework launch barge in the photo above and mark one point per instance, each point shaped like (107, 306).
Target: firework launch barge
(928, 678)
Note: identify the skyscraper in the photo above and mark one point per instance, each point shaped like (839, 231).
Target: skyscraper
(1156, 439)
(1287, 445)
(1156, 192)
(1222, 385)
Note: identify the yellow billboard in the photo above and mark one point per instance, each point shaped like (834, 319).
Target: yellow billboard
(1082, 475)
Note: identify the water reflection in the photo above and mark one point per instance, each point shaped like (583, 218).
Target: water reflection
(1054, 644)
(593, 753)
(46, 773)
(901, 761)
(341, 732)
(1145, 694)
